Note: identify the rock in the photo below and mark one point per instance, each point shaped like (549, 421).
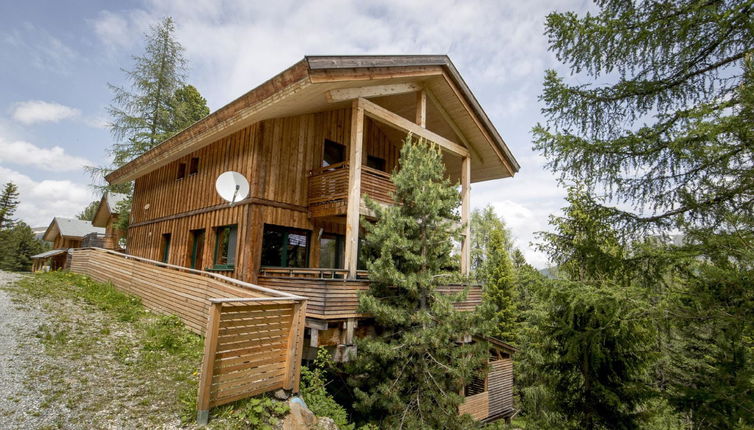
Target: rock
(325, 423)
(281, 394)
(300, 417)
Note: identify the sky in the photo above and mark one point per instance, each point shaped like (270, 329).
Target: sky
(58, 59)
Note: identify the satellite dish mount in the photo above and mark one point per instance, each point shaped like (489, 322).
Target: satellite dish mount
(232, 187)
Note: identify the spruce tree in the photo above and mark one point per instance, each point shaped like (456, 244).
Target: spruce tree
(492, 266)
(18, 245)
(8, 204)
(410, 374)
(665, 143)
(187, 107)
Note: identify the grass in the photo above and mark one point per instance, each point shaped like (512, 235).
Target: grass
(116, 364)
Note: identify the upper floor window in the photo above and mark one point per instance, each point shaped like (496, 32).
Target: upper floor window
(194, 166)
(225, 247)
(181, 171)
(376, 163)
(333, 153)
(285, 246)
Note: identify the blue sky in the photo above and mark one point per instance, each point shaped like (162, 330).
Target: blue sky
(58, 57)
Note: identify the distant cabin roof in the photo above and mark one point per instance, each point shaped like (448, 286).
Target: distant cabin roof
(48, 254)
(107, 206)
(307, 87)
(70, 228)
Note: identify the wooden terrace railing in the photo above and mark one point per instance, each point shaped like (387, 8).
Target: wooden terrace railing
(332, 296)
(328, 188)
(253, 335)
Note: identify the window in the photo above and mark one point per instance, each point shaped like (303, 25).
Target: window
(225, 247)
(181, 171)
(331, 251)
(333, 153)
(376, 163)
(165, 248)
(197, 248)
(194, 166)
(285, 247)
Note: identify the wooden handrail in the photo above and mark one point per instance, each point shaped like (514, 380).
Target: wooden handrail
(331, 167)
(201, 273)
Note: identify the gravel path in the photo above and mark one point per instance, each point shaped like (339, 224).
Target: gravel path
(19, 404)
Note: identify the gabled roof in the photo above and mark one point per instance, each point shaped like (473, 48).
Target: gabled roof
(107, 206)
(70, 228)
(305, 88)
(48, 254)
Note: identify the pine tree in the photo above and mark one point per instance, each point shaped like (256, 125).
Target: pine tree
(667, 143)
(490, 245)
(8, 204)
(18, 245)
(410, 373)
(187, 107)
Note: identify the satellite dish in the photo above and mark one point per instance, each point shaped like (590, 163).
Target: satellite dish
(232, 186)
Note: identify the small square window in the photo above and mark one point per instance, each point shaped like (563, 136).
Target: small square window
(181, 171)
(194, 166)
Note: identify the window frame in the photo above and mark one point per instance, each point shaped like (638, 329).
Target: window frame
(219, 230)
(194, 242)
(181, 173)
(165, 247)
(286, 230)
(343, 150)
(193, 166)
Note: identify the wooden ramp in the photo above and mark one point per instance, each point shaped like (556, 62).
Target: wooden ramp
(253, 335)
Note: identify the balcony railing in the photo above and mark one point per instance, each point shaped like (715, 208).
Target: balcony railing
(332, 296)
(328, 188)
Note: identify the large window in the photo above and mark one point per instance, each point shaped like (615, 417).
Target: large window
(285, 247)
(376, 163)
(331, 251)
(225, 247)
(333, 153)
(197, 248)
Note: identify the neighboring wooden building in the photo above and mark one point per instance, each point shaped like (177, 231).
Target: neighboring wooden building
(312, 141)
(106, 216)
(63, 233)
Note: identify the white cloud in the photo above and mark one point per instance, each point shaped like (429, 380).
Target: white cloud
(27, 154)
(34, 111)
(40, 201)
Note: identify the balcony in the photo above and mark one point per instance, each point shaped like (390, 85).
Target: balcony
(332, 296)
(328, 189)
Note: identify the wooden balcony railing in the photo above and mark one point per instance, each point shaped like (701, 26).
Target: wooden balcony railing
(332, 296)
(328, 188)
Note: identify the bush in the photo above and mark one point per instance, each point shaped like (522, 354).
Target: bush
(314, 391)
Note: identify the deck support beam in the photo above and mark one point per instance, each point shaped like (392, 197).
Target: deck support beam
(465, 215)
(354, 189)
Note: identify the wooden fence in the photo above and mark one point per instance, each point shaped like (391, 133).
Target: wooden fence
(253, 335)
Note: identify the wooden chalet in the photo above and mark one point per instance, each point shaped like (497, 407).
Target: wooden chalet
(106, 216)
(312, 141)
(64, 234)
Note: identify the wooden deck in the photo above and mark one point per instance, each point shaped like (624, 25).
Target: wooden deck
(328, 188)
(331, 296)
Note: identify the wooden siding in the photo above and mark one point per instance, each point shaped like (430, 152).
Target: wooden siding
(477, 406)
(500, 386)
(274, 155)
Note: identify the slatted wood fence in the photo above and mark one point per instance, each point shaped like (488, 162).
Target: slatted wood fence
(253, 335)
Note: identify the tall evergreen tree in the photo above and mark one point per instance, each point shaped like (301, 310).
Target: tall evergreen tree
(187, 107)
(8, 204)
(667, 144)
(141, 114)
(410, 373)
(492, 266)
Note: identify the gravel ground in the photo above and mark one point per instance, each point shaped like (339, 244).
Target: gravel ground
(20, 403)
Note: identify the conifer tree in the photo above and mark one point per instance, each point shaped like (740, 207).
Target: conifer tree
(89, 211)
(410, 373)
(17, 245)
(8, 204)
(665, 142)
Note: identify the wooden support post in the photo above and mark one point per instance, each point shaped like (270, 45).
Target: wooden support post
(208, 364)
(295, 347)
(354, 189)
(421, 108)
(314, 337)
(465, 215)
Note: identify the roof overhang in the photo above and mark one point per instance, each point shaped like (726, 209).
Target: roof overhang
(102, 214)
(305, 88)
